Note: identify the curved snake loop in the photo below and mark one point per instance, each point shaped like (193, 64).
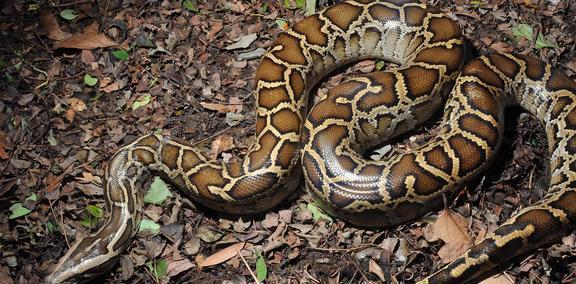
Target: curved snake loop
(356, 115)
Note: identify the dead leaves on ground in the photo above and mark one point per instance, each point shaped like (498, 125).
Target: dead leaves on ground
(451, 228)
(89, 38)
(191, 74)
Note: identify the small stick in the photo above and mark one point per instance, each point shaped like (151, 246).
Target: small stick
(247, 266)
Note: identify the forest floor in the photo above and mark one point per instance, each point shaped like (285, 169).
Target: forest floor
(78, 80)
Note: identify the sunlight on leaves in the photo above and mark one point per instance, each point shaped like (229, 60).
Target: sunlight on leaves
(317, 213)
(149, 225)
(261, 269)
(523, 30)
(18, 211)
(190, 5)
(542, 42)
(68, 14)
(158, 192)
(120, 54)
(141, 101)
(89, 80)
(158, 269)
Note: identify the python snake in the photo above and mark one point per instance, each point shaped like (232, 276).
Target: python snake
(327, 142)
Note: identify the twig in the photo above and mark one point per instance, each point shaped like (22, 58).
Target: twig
(247, 266)
(344, 250)
(72, 4)
(60, 223)
(358, 269)
(212, 136)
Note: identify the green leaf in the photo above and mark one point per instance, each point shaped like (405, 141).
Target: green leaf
(120, 54)
(141, 101)
(158, 192)
(18, 211)
(264, 8)
(523, 30)
(94, 211)
(294, 4)
(89, 80)
(92, 214)
(32, 197)
(69, 14)
(190, 5)
(282, 24)
(317, 213)
(233, 119)
(50, 227)
(380, 64)
(150, 226)
(542, 42)
(158, 269)
(310, 7)
(261, 269)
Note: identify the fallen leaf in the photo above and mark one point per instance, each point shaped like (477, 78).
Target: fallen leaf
(20, 164)
(222, 108)
(498, 279)
(90, 38)
(3, 145)
(111, 88)
(451, 228)
(179, 266)
(243, 42)
(50, 24)
(216, 27)
(373, 267)
(220, 144)
(77, 104)
(70, 114)
(222, 255)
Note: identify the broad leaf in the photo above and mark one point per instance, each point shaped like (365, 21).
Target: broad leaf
(158, 192)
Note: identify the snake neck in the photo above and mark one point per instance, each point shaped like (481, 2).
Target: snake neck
(92, 255)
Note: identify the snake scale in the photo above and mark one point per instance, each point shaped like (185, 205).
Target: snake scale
(326, 143)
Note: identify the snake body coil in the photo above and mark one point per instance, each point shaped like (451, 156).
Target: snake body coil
(354, 116)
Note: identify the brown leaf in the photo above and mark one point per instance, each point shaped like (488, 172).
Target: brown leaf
(222, 255)
(70, 114)
(87, 57)
(373, 267)
(502, 47)
(111, 88)
(3, 145)
(271, 220)
(214, 29)
(220, 144)
(222, 108)
(88, 177)
(451, 228)
(498, 279)
(90, 38)
(50, 24)
(76, 104)
(179, 266)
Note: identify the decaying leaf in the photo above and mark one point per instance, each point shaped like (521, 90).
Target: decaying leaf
(50, 24)
(222, 255)
(220, 144)
(373, 267)
(90, 38)
(498, 279)
(451, 228)
(179, 266)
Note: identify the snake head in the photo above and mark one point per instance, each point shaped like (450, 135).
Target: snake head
(87, 259)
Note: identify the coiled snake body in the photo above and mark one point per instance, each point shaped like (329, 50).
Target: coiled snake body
(327, 142)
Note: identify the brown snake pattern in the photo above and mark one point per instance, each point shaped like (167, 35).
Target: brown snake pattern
(354, 116)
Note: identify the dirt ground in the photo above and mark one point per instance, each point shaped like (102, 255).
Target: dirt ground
(185, 69)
